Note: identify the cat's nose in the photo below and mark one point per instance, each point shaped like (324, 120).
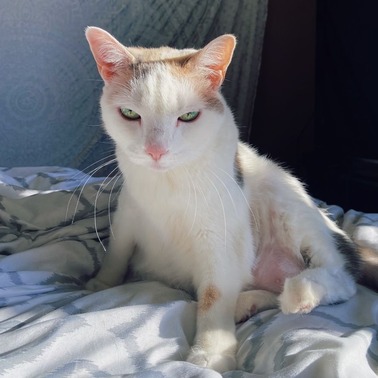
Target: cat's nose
(155, 151)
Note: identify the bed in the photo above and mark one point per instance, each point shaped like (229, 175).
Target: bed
(55, 220)
(55, 223)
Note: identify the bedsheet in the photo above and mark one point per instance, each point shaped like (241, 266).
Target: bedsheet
(51, 223)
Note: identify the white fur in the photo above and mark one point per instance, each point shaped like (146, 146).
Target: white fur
(196, 228)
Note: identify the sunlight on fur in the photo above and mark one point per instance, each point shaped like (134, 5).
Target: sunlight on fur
(198, 209)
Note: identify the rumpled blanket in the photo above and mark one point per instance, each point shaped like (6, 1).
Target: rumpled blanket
(54, 225)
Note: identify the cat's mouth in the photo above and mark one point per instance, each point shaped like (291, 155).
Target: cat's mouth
(164, 164)
(153, 165)
(158, 166)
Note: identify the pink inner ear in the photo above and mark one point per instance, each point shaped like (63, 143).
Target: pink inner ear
(216, 77)
(106, 71)
(217, 56)
(108, 53)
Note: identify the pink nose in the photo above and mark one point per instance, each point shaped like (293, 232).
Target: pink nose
(156, 152)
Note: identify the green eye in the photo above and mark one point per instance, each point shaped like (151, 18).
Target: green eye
(129, 114)
(190, 116)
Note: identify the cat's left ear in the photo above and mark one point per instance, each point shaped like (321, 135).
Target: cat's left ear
(215, 58)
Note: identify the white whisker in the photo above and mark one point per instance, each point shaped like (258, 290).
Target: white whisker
(223, 210)
(90, 174)
(195, 201)
(244, 197)
(109, 203)
(200, 189)
(189, 193)
(103, 185)
(227, 190)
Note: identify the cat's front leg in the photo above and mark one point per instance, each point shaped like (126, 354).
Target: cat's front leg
(215, 341)
(114, 266)
(121, 247)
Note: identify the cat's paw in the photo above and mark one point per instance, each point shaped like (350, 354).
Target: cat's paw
(253, 301)
(95, 284)
(300, 295)
(217, 361)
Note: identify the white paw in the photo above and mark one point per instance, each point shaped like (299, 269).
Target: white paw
(253, 301)
(300, 295)
(95, 284)
(218, 362)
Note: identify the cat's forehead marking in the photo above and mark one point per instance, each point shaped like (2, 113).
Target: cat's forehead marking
(156, 89)
(165, 79)
(159, 54)
(150, 59)
(181, 69)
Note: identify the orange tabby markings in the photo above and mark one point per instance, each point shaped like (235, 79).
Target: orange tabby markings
(208, 298)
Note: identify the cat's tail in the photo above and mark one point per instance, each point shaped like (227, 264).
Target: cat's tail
(369, 268)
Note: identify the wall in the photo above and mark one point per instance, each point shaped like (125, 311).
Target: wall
(284, 109)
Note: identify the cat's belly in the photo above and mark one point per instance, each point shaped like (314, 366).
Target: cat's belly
(273, 265)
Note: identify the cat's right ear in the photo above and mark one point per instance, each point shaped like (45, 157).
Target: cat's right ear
(108, 53)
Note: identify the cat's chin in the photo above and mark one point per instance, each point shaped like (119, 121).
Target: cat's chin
(163, 165)
(155, 166)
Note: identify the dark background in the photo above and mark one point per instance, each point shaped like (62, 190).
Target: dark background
(314, 111)
(316, 107)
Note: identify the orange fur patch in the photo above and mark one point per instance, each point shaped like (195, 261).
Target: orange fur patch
(160, 54)
(181, 63)
(208, 298)
(181, 68)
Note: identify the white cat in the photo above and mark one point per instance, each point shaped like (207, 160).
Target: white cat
(206, 213)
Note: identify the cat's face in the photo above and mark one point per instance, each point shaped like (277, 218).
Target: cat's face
(162, 107)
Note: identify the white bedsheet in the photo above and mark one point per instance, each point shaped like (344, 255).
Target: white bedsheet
(51, 326)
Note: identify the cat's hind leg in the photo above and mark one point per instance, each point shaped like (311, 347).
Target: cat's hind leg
(314, 287)
(253, 301)
(329, 278)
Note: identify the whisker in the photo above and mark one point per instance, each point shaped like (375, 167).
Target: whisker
(223, 210)
(109, 203)
(83, 171)
(200, 189)
(189, 194)
(243, 195)
(90, 174)
(103, 185)
(86, 178)
(195, 201)
(227, 190)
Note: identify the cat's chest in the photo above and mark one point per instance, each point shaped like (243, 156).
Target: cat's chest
(165, 248)
(173, 221)
(163, 227)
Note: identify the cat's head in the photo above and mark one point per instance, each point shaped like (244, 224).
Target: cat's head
(162, 106)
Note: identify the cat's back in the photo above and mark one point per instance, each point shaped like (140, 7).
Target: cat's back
(265, 181)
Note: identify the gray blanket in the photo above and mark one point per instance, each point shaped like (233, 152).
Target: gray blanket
(51, 223)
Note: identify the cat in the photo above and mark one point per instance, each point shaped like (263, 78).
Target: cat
(206, 212)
